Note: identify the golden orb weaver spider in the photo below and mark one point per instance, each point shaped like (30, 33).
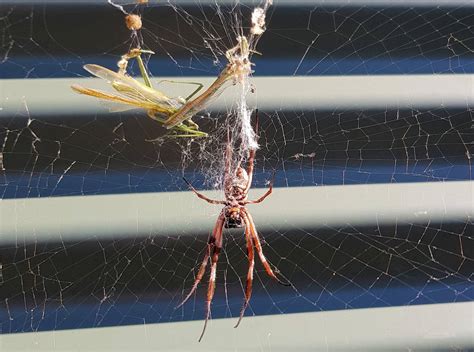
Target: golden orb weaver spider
(237, 184)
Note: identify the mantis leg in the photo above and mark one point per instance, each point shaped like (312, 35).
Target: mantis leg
(181, 130)
(136, 54)
(141, 66)
(200, 86)
(193, 125)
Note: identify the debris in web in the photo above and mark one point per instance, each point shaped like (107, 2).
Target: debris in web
(248, 136)
(258, 19)
(133, 22)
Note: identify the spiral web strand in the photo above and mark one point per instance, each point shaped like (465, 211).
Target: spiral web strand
(338, 262)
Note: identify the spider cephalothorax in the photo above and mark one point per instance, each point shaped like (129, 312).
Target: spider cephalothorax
(234, 215)
(235, 200)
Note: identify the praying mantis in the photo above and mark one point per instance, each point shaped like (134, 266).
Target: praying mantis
(174, 113)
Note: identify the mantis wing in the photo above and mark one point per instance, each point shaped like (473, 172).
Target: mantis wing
(114, 98)
(132, 88)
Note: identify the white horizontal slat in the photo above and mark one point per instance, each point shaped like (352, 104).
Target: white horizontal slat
(439, 327)
(182, 213)
(54, 97)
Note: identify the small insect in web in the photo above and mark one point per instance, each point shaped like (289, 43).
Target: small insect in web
(237, 184)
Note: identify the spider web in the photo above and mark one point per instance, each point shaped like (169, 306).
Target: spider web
(91, 280)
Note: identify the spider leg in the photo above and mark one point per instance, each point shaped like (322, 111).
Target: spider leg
(262, 198)
(258, 247)
(250, 170)
(202, 269)
(201, 272)
(251, 158)
(202, 196)
(267, 193)
(228, 162)
(250, 253)
(212, 277)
